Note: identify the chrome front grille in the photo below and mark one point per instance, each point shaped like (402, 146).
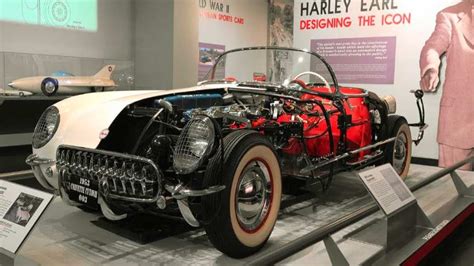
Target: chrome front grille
(119, 176)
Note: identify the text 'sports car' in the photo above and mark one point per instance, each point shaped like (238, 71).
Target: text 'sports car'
(222, 153)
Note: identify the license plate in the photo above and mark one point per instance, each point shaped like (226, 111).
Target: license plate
(84, 191)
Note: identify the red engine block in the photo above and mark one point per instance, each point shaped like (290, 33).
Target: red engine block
(315, 128)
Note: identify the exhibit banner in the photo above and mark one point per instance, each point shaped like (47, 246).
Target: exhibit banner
(20, 209)
(377, 45)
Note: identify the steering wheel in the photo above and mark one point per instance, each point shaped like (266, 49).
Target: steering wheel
(326, 83)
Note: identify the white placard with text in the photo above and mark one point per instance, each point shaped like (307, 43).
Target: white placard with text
(20, 209)
(387, 188)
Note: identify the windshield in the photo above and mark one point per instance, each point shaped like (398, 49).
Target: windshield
(269, 65)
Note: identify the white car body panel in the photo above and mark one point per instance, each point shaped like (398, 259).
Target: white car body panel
(84, 117)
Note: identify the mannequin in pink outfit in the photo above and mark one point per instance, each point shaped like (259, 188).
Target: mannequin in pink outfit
(453, 36)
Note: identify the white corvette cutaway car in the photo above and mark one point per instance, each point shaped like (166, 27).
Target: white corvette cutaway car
(65, 83)
(221, 154)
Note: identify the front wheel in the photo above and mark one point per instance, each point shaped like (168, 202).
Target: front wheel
(244, 214)
(398, 153)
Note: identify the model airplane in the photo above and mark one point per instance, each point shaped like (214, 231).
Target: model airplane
(5, 92)
(65, 83)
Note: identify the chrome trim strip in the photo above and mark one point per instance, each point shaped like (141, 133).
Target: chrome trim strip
(185, 192)
(34, 160)
(108, 213)
(186, 213)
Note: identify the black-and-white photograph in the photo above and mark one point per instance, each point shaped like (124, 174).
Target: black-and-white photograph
(23, 209)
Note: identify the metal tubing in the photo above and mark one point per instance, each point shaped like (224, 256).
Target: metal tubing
(282, 252)
(16, 175)
(345, 155)
(442, 173)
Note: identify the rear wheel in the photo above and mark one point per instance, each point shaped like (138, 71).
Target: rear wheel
(398, 153)
(244, 214)
(99, 89)
(49, 86)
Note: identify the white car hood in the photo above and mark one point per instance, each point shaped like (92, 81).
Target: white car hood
(84, 117)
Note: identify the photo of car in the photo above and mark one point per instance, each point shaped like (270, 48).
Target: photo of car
(23, 209)
(65, 83)
(208, 55)
(222, 153)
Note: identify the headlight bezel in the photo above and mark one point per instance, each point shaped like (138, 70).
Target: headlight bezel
(185, 147)
(47, 124)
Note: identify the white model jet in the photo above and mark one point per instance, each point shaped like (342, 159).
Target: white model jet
(65, 83)
(18, 93)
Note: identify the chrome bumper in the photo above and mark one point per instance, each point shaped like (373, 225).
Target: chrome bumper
(35, 162)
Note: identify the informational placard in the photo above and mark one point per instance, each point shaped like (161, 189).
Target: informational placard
(20, 209)
(387, 188)
(369, 60)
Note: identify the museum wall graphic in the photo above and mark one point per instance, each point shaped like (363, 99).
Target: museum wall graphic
(371, 44)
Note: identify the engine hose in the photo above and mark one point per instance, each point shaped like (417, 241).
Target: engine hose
(308, 161)
(325, 185)
(328, 124)
(145, 129)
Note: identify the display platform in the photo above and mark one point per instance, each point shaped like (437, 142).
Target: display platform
(444, 205)
(34, 97)
(66, 235)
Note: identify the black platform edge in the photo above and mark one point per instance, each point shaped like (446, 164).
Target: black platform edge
(12, 158)
(424, 161)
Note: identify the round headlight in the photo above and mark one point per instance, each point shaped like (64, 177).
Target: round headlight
(46, 127)
(194, 144)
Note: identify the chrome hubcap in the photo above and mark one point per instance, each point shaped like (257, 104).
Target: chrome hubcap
(49, 87)
(400, 153)
(254, 194)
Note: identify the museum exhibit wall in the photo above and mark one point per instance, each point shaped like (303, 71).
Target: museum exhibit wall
(233, 24)
(165, 33)
(390, 38)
